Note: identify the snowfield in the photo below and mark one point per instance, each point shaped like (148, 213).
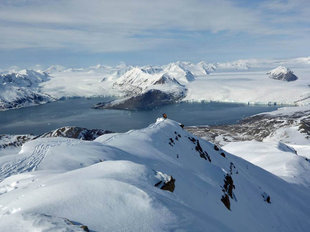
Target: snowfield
(243, 81)
(251, 87)
(277, 141)
(161, 178)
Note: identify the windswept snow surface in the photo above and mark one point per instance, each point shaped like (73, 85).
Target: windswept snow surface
(112, 184)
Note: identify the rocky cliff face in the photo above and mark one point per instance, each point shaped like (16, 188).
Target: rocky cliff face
(144, 101)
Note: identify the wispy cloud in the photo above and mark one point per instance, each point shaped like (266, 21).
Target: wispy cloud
(123, 25)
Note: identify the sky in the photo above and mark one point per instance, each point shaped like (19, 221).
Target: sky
(139, 32)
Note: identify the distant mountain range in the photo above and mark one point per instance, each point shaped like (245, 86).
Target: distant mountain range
(243, 81)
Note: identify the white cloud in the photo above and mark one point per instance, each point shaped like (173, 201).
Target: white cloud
(121, 25)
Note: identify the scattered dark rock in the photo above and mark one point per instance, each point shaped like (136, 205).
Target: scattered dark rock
(223, 154)
(167, 186)
(76, 133)
(216, 148)
(228, 191)
(85, 228)
(231, 168)
(229, 185)
(304, 126)
(203, 154)
(226, 201)
(266, 197)
(182, 126)
(192, 139)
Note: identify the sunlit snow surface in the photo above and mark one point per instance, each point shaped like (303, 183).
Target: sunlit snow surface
(285, 152)
(109, 185)
(239, 81)
(251, 87)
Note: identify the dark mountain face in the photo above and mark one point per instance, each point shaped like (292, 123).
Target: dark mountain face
(145, 101)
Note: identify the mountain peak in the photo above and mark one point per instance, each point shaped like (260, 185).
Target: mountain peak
(282, 73)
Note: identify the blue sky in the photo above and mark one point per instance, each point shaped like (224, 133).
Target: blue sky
(82, 33)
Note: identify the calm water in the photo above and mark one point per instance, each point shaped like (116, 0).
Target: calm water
(78, 112)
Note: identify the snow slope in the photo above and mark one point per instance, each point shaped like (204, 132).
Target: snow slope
(277, 141)
(118, 183)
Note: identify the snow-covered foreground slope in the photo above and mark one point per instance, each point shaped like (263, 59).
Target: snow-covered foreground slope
(278, 141)
(160, 178)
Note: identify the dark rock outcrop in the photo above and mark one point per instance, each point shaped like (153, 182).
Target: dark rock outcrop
(76, 133)
(145, 101)
(168, 185)
(7, 141)
(228, 191)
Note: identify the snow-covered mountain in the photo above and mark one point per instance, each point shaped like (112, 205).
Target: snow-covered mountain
(242, 81)
(139, 80)
(24, 78)
(19, 89)
(282, 73)
(160, 178)
(146, 88)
